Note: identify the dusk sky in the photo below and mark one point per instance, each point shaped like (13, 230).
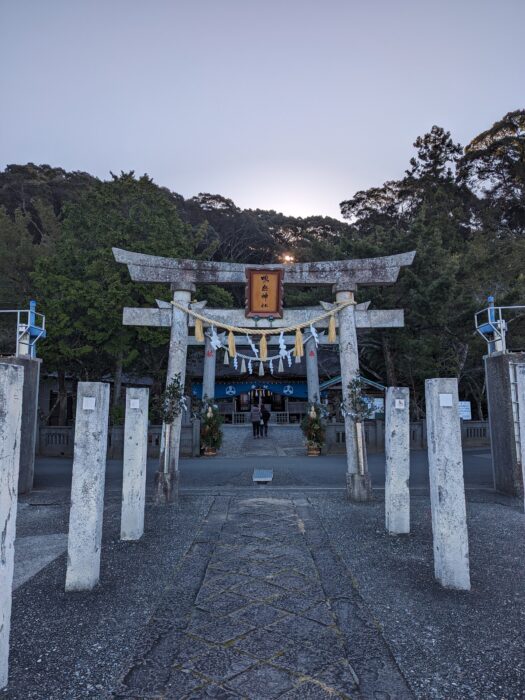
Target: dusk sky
(291, 105)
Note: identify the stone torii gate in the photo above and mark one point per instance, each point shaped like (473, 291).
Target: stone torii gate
(343, 276)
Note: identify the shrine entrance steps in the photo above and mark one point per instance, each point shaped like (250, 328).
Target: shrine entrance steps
(261, 607)
(282, 441)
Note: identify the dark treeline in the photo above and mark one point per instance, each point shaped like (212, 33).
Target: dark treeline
(461, 209)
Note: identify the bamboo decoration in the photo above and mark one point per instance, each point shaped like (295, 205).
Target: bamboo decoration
(263, 348)
(199, 330)
(298, 350)
(332, 333)
(231, 344)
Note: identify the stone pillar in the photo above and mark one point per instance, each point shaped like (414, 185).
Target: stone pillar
(135, 458)
(357, 478)
(29, 419)
(447, 490)
(504, 440)
(312, 371)
(208, 374)
(520, 391)
(87, 486)
(11, 400)
(167, 476)
(397, 451)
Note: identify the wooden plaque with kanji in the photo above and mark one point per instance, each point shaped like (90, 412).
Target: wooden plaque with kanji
(264, 294)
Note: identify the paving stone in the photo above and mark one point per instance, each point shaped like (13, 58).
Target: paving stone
(180, 683)
(320, 613)
(213, 691)
(259, 614)
(257, 590)
(263, 644)
(309, 690)
(221, 630)
(223, 604)
(276, 617)
(221, 664)
(339, 676)
(297, 602)
(175, 647)
(263, 682)
(305, 659)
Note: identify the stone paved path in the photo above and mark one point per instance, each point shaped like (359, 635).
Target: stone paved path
(262, 607)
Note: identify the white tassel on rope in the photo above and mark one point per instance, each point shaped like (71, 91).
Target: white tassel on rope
(282, 345)
(261, 369)
(243, 366)
(226, 358)
(270, 365)
(255, 349)
(280, 367)
(215, 341)
(315, 335)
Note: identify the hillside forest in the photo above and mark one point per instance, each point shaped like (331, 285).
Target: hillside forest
(462, 208)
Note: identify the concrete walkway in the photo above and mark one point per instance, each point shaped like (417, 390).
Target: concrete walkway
(261, 607)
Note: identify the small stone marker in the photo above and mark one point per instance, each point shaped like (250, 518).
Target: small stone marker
(447, 489)
(397, 450)
(262, 476)
(135, 457)
(11, 389)
(87, 486)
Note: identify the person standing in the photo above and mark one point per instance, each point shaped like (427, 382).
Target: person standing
(265, 418)
(255, 417)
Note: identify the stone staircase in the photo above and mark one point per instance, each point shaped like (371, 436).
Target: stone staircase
(282, 441)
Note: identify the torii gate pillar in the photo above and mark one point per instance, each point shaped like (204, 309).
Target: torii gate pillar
(167, 479)
(359, 486)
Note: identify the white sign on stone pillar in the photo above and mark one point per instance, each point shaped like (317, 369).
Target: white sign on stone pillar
(397, 452)
(134, 468)
(11, 388)
(520, 379)
(87, 486)
(447, 489)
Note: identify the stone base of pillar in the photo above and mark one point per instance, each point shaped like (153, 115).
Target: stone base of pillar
(166, 487)
(359, 487)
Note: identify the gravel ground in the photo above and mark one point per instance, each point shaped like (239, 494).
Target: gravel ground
(449, 645)
(76, 645)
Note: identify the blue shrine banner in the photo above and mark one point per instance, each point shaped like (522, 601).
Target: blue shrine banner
(298, 390)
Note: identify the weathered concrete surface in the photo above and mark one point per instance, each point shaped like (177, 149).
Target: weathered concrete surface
(447, 490)
(29, 419)
(368, 271)
(520, 377)
(507, 471)
(161, 318)
(87, 486)
(167, 475)
(358, 481)
(397, 453)
(312, 371)
(11, 393)
(208, 375)
(135, 458)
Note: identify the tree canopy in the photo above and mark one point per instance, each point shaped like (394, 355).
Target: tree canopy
(461, 209)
